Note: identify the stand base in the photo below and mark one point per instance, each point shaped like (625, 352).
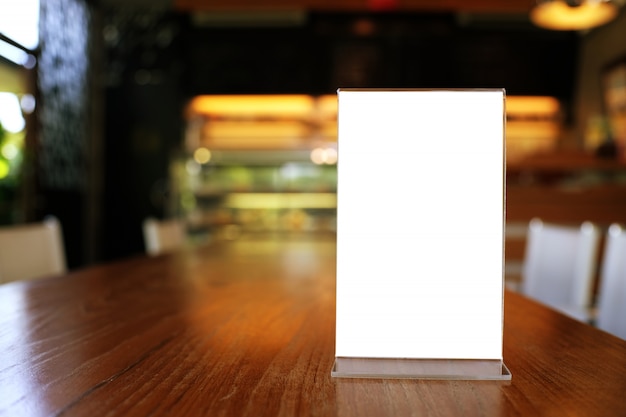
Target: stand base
(467, 369)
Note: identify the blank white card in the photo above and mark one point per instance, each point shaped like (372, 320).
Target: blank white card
(420, 224)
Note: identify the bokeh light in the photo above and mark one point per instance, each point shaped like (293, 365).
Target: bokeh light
(28, 103)
(192, 167)
(4, 169)
(321, 156)
(9, 151)
(202, 155)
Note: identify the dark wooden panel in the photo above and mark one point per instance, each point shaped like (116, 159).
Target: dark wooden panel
(603, 204)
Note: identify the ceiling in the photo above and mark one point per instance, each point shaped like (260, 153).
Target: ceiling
(466, 6)
(482, 6)
(501, 13)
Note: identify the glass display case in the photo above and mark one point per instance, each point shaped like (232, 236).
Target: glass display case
(258, 165)
(230, 197)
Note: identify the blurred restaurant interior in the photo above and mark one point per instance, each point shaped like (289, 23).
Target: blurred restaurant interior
(224, 113)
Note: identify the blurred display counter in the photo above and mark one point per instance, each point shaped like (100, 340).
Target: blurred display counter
(227, 200)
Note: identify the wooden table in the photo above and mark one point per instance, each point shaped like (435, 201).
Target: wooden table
(247, 329)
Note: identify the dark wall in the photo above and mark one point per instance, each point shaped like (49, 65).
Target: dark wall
(379, 50)
(143, 124)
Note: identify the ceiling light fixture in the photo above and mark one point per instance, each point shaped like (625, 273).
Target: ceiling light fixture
(573, 14)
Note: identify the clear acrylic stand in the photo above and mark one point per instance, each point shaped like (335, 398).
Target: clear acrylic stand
(420, 226)
(460, 369)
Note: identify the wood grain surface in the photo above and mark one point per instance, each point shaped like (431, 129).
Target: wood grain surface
(247, 329)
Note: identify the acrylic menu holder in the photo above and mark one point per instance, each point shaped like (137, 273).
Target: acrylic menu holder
(420, 227)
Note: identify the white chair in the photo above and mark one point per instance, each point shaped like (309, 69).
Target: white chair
(559, 266)
(161, 236)
(31, 250)
(611, 313)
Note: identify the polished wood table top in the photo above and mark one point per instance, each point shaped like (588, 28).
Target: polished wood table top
(247, 329)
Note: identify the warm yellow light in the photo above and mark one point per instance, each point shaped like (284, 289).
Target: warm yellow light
(331, 156)
(318, 155)
(280, 201)
(558, 15)
(263, 122)
(540, 130)
(532, 105)
(328, 131)
(321, 156)
(253, 143)
(202, 155)
(247, 106)
(327, 106)
(255, 129)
